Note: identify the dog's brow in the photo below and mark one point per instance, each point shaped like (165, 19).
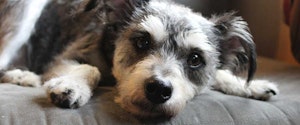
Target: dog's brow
(198, 40)
(138, 33)
(155, 27)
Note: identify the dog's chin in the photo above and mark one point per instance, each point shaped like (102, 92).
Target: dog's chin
(145, 109)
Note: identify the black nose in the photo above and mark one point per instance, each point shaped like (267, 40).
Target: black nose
(158, 91)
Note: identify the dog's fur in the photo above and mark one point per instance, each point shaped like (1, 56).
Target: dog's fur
(77, 44)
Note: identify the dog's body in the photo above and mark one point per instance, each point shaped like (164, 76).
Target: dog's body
(161, 54)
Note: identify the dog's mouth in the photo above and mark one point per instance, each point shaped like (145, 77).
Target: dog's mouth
(145, 109)
(152, 110)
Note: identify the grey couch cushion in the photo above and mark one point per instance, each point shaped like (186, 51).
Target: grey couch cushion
(29, 106)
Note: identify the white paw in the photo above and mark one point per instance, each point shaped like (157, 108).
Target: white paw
(22, 78)
(262, 89)
(68, 92)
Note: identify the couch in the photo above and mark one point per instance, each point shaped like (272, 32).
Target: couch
(30, 106)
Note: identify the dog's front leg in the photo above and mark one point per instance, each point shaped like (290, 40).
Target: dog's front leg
(233, 85)
(70, 84)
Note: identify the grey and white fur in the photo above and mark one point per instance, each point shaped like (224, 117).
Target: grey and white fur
(160, 53)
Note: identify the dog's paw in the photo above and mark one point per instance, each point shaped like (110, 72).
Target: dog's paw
(22, 78)
(68, 92)
(262, 89)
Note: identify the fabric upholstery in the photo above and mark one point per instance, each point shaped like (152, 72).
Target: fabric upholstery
(29, 106)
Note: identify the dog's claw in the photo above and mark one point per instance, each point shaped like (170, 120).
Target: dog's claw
(271, 91)
(66, 92)
(65, 103)
(53, 96)
(263, 89)
(63, 100)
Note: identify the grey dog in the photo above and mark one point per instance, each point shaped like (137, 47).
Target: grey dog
(161, 54)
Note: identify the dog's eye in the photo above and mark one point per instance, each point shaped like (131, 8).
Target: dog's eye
(142, 40)
(143, 43)
(195, 60)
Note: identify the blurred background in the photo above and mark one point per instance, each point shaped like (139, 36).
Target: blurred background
(266, 21)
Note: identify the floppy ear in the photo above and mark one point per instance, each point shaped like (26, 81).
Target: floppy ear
(237, 49)
(111, 10)
(122, 9)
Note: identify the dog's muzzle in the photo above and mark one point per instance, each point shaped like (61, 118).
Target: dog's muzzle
(158, 91)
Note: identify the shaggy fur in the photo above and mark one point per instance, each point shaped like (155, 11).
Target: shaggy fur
(160, 53)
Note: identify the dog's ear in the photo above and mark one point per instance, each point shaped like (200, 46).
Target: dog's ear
(236, 46)
(115, 10)
(122, 9)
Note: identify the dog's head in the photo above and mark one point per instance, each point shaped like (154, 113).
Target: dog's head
(166, 54)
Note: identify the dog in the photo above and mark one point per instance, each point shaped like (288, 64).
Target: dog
(160, 53)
